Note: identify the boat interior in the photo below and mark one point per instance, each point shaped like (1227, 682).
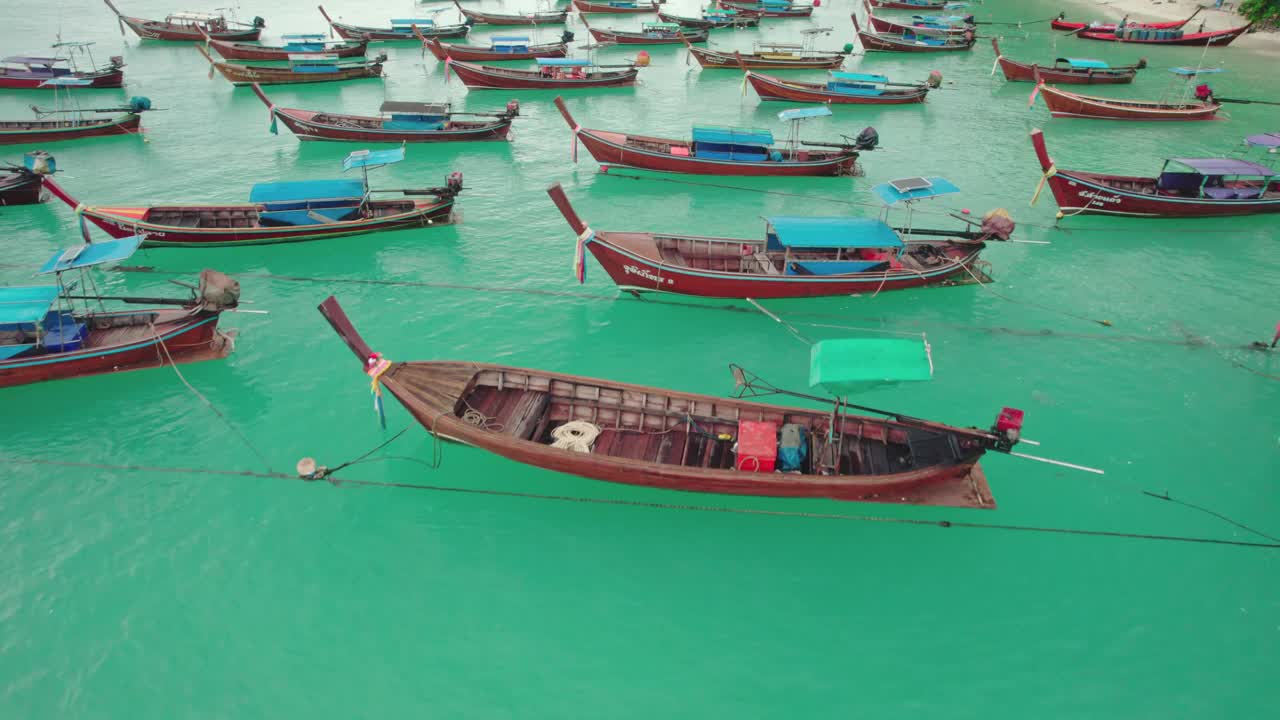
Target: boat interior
(54, 124)
(751, 257)
(250, 216)
(1193, 185)
(701, 432)
(740, 152)
(65, 332)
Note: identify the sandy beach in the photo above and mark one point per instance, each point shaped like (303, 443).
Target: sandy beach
(1158, 10)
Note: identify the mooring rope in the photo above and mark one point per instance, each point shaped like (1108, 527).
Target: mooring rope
(916, 522)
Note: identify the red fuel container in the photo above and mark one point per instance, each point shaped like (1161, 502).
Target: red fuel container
(757, 446)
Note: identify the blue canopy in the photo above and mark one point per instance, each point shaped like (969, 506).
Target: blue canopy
(833, 232)
(805, 113)
(283, 192)
(732, 136)
(26, 305)
(908, 189)
(564, 62)
(412, 21)
(858, 77)
(90, 254)
(1085, 63)
(304, 36)
(66, 80)
(373, 158)
(1195, 71)
(509, 39)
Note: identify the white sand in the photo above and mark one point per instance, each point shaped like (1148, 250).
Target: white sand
(1162, 10)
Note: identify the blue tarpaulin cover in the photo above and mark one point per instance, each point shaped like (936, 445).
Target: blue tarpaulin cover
(64, 80)
(1084, 63)
(848, 365)
(373, 158)
(833, 232)
(411, 21)
(90, 254)
(564, 62)
(286, 192)
(804, 113)
(27, 304)
(316, 37)
(732, 136)
(891, 195)
(509, 39)
(859, 77)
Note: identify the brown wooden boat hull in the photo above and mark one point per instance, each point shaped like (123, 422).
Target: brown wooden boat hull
(311, 125)
(478, 53)
(20, 187)
(160, 30)
(244, 51)
(484, 77)
(804, 164)
(741, 20)
(771, 88)
(250, 74)
(1065, 104)
(584, 6)
(887, 43)
(713, 60)
(190, 339)
(46, 131)
(631, 38)
(113, 78)
(762, 11)
(552, 18)
(1219, 38)
(1015, 71)
(891, 5)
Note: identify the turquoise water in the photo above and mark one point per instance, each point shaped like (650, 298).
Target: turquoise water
(148, 594)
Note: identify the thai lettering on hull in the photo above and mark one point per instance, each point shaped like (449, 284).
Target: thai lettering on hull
(647, 275)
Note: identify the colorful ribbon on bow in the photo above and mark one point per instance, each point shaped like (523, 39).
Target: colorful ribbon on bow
(375, 366)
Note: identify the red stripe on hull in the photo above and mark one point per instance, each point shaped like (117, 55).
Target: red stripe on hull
(200, 341)
(628, 272)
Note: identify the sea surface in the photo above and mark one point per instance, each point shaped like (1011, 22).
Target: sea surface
(135, 582)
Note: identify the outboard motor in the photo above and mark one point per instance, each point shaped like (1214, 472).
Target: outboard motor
(1142, 63)
(1008, 428)
(469, 21)
(117, 61)
(868, 139)
(139, 103)
(217, 291)
(998, 224)
(454, 183)
(258, 22)
(513, 108)
(39, 162)
(935, 79)
(566, 37)
(382, 57)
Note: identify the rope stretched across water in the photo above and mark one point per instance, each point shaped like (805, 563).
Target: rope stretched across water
(915, 522)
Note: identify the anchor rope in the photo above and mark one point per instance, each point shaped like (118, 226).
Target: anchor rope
(916, 522)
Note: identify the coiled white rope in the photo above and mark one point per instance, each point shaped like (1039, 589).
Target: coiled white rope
(575, 435)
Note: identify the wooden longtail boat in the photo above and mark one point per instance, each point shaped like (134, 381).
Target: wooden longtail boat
(920, 25)
(1061, 23)
(798, 257)
(908, 4)
(301, 69)
(188, 26)
(840, 89)
(911, 41)
(720, 151)
(1192, 187)
(1068, 71)
(76, 123)
(659, 33)
(660, 438)
(615, 7)
(1062, 103)
(24, 184)
(401, 29)
(1217, 38)
(770, 8)
(294, 45)
(552, 74)
(772, 56)
(31, 73)
(51, 332)
(555, 17)
(398, 122)
(279, 212)
(714, 19)
(501, 48)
